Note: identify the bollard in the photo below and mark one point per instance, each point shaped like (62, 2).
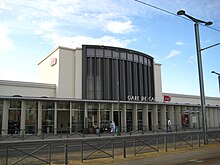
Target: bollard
(65, 155)
(124, 147)
(174, 141)
(113, 149)
(165, 143)
(157, 141)
(82, 151)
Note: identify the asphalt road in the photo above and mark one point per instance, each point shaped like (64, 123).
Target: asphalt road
(208, 154)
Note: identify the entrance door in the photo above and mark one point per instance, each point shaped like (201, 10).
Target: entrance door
(63, 121)
(140, 121)
(129, 120)
(115, 117)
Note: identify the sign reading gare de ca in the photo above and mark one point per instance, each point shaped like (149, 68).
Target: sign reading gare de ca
(140, 98)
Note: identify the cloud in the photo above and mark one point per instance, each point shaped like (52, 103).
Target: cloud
(5, 40)
(20, 74)
(173, 53)
(47, 25)
(78, 41)
(192, 59)
(120, 27)
(180, 43)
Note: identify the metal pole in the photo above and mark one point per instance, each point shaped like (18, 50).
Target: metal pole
(219, 83)
(202, 93)
(119, 114)
(65, 154)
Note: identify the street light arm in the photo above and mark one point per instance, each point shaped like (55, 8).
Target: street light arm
(194, 19)
(182, 12)
(215, 73)
(210, 46)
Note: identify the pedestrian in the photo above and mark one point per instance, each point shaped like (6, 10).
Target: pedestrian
(169, 125)
(112, 126)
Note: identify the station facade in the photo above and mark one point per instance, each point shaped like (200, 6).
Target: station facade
(87, 87)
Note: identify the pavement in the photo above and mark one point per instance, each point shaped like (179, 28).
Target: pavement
(205, 155)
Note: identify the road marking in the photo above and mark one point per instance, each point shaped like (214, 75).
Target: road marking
(200, 161)
(195, 160)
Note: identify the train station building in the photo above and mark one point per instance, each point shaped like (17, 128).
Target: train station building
(87, 87)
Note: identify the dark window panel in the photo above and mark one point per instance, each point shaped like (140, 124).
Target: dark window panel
(99, 78)
(90, 52)
(129, 78)
(99, 52)
(90, 78)
(106, 64)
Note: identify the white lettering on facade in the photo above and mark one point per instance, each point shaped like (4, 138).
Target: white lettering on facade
(140, 98)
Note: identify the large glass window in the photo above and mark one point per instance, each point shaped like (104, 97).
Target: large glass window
(92, 110)
(129, 120)
(48, 117)
(63, 119)
(105, 115)
(1, 112)
(77, 117)
(14, 117)
(31, 117)
(140, 116)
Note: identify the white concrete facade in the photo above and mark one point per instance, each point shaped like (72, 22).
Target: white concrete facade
(60, 96)
(66, 73)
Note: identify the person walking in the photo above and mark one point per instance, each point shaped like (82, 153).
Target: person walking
(169, 129)
(112, 126)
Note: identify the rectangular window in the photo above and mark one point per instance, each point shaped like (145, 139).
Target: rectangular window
(31, 117)
(90, 78)
(77, 117)
(48, 117)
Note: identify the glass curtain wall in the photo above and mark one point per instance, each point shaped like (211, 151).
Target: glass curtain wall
(92, 110)
(48, 117)
(105, 116)
(129, 116)
(77, 117)
(31, 117)
(1, 113)
(63, 119)
(139, 117)
(116, 114)
(14, 119)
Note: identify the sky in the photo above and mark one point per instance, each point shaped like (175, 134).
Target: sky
(30, 30)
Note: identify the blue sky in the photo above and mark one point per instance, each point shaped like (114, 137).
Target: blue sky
(30, 30)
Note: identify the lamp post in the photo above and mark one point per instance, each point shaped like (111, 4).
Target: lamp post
(199, 58)
(218, 79)
(218, 74)
(118, 95)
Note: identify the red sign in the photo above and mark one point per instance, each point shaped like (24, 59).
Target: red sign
(167, 98)
(53, 61)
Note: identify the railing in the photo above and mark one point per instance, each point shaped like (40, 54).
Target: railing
(43, 134)
(102, 149)
(86, 149)
(26, 153)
